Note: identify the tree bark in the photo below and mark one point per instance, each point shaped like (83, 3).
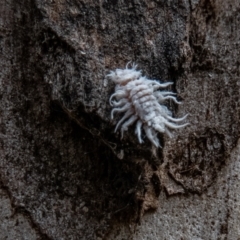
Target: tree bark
(64, 173)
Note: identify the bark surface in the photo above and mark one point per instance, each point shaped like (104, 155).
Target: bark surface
(64, 173)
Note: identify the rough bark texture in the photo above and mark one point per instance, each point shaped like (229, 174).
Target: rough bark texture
(64, 174)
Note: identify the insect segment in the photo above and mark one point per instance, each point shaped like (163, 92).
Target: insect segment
(140, 101)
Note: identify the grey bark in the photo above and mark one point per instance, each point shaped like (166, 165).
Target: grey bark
(64, 173)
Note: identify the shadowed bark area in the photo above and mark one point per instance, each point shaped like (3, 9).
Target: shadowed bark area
(64, 173)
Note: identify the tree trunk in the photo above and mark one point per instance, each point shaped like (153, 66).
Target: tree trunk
(64, 173)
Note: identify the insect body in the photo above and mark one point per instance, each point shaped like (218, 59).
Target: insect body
(141, 102)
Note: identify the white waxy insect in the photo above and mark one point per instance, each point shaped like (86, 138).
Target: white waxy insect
(140, 101)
